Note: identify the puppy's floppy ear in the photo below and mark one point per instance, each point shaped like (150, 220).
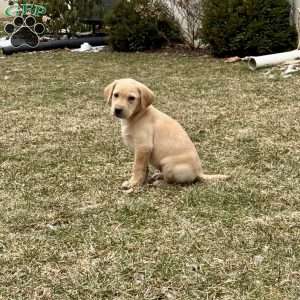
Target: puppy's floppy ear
(147, 96)
(108, 91)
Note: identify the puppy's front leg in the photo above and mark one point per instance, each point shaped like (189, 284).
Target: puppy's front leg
(140, 167)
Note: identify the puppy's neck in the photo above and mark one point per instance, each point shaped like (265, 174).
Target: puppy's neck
(125, 123)
(138, 115)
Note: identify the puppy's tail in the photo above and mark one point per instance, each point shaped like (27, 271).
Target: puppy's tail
(212, 178)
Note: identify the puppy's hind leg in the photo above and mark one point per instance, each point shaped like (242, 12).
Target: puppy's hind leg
(180, 173)
(156, 177)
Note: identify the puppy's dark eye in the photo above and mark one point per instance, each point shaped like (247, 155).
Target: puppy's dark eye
(116, 95)
(131, 98)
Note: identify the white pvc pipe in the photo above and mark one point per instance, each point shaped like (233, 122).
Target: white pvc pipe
(255, 62)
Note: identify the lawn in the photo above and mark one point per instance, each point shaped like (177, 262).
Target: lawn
(2, 33)
(69, 232)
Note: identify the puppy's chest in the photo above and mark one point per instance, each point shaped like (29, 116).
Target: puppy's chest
(127, 136)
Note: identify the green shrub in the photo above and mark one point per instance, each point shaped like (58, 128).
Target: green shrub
(247, 27)
(139, 25)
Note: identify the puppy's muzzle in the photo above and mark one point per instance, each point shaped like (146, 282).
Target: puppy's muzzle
(118, 112)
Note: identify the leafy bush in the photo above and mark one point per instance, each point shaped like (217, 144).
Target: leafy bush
(247, 27)
(139, 25)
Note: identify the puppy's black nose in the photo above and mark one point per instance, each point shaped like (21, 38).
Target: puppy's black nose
(118, 112)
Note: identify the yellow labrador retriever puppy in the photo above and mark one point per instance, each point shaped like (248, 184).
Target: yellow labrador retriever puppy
(154, 137)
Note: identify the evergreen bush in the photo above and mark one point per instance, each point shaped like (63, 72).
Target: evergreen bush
(247, 27)
(139, 25)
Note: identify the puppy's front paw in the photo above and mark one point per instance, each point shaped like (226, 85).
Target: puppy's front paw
(131, 184)
(126, 185)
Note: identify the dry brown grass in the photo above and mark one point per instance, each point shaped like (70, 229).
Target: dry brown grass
(69, 232)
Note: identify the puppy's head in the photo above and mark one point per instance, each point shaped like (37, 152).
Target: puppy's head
(127, 97)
